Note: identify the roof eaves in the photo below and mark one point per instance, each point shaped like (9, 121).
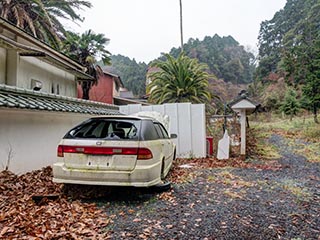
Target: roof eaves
(27, 51)
(20, 32)
(240, 98)
(131, 101)
(12, 97)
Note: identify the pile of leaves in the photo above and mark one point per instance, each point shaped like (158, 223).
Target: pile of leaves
(21, 217)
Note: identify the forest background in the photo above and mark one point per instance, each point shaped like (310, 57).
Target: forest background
(284, 75)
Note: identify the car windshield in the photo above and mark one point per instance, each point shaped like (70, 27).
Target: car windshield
(102, 128)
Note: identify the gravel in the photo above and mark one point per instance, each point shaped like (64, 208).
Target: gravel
(224, 203)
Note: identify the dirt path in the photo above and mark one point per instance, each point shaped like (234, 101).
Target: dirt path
(226, 203)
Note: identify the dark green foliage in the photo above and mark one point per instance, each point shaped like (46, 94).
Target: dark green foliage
(85, 49)
(180, 79)
(224, 56)
(133, 74)
(301, 58)
(290, 106)
(311, 88)
(40, 18)
(290, 45)
(273, 33)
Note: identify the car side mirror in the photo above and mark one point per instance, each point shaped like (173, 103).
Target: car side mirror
(173, 135)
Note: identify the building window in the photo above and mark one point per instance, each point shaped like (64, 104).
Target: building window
(36, 85)
(52, 88)
(58, 89)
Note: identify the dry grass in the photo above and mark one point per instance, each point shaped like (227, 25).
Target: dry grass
(303, 129)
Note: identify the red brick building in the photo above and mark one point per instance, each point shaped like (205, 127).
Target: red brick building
(107, 88)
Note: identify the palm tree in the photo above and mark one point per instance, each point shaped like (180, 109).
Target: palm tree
(179, 79)
(41, 17)
(86, 49)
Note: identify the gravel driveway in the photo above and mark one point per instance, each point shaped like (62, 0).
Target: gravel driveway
(225, 203)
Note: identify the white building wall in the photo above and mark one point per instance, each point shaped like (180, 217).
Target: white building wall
(19, 71)
(187, 120)
(11, 70)
(50, 76)
(29, 139)
(3, 57)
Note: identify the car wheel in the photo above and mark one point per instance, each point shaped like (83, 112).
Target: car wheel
(161, 187)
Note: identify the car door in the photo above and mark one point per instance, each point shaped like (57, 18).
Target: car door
(167, 147)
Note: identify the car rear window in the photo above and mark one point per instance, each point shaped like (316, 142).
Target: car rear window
(112, 129)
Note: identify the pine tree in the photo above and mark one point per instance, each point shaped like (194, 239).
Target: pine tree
(290, 105)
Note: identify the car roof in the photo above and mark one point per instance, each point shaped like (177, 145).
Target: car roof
(124, 117)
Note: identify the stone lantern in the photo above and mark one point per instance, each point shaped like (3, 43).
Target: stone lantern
(243, 106)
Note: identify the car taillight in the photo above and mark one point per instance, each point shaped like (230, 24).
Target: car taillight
(60, 151)
(144, 154)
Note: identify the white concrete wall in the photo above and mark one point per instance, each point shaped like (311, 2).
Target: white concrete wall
(187, 120)
(30, 138)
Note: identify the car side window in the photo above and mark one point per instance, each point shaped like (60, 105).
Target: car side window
(161, 130)
(157, 127)
(164, 131)
(149, 131)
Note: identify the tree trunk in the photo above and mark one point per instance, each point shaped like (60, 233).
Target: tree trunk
(85, 90)
(315, 114)
(181, 27)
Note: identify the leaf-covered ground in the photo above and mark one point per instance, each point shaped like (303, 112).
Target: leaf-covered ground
(209, 199)
(23, 218)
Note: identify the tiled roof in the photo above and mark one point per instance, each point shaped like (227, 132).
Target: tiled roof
(12, 97)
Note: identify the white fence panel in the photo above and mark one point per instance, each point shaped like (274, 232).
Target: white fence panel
(198, 129)
(185, 130)
(186, 119)
(172, 111)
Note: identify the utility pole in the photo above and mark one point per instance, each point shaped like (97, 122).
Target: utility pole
(181, 28)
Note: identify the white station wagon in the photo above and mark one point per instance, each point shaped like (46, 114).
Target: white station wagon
(115, 151)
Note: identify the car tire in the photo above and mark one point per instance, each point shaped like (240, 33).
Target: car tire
(161, 187)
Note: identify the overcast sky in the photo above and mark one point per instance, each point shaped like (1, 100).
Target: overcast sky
(143, 29)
